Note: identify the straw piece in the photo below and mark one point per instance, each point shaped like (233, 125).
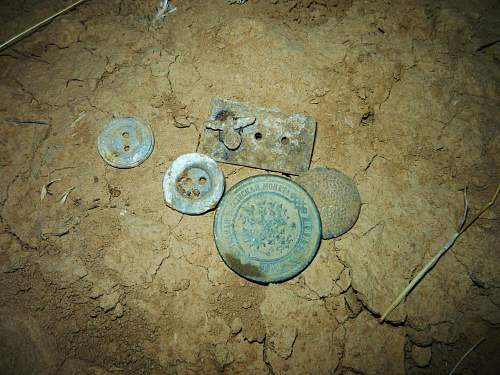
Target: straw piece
(27, 122)
(65, 196)
(29, 30)
(466, 354)
(461, 228)
(80, 118)
(44, 191)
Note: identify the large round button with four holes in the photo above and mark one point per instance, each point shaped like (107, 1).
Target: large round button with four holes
(125, 142)
(267, 229)
(193, 184)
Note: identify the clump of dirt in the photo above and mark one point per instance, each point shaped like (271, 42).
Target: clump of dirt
(406, 100)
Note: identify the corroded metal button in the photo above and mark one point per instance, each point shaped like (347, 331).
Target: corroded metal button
(193, 184)
(336, 196)
(267, 229)
(125, 142)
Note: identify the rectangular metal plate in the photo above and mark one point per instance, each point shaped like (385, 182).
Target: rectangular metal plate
(275, 141)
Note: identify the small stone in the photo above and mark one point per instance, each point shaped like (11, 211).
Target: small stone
(369, 353)
(420, 338)
(182, 122)
(443, 332)
(73, 327)
(108, 301)
(65, 32)
(353, 303)
(92, 83)
(421, 356)
(16, 262)
(321, 92)
(157, 101)
(223, 356)
(180, 285)
(236, 326)
(344, 281)
(114, 192)
(118, 311)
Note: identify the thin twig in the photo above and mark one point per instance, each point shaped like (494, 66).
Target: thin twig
(29, 30)
(27, 122)
(467, 353)
(488, 205)
(82, 115)
(461, 228)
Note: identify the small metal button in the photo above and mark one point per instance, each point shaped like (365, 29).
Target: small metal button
(125, 142)
(193, 184)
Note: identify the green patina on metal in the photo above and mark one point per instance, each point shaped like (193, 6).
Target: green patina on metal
(125, 142)
(264, 138)
(336, 197)
(267, 229)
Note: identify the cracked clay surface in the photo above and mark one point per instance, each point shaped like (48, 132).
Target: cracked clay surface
(406, 96)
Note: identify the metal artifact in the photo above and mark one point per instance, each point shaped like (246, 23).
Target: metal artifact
(125, 142)
(241, 134)
(193, 184)
(336, 196)
(267, 229)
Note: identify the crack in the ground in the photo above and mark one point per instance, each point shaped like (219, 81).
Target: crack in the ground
(293, 344)
(7, 191)
(8, 229)
(487, 45)
(34, 98)
(365, 169)
(369, 230)
(158, 266)
(206, 268)
(351, 370)
(24, 56)
(26, 92)
(264, 356)
(169, 80)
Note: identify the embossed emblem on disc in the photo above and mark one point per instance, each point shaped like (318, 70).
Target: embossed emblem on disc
(267, 229)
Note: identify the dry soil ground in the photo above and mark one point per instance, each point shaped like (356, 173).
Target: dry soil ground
(407, 99)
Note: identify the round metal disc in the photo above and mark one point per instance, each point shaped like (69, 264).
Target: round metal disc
(336, 196)
(193, 184)
(267, 229)
(125, 142)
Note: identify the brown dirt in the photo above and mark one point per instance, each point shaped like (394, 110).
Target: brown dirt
(406, 95)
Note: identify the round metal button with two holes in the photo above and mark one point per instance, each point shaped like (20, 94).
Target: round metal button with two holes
(193, 184)
(125, 142)
(267, 229)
